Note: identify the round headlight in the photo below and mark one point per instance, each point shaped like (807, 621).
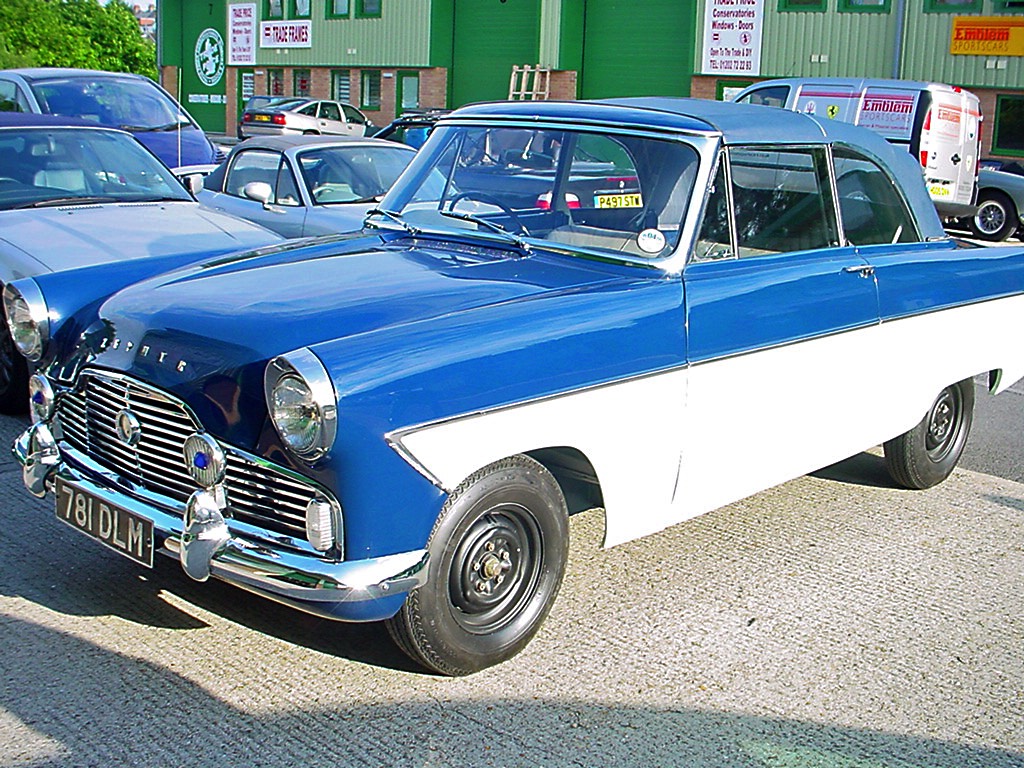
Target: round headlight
(302, 403)
(27, 319)
(295, 414)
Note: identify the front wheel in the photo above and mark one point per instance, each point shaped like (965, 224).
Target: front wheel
(925, 455)
(13, 375)
(497, 556)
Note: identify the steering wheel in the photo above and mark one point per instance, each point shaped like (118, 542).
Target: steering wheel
(483, 197)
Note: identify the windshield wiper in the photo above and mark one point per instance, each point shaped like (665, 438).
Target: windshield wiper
(395, 217)
(57, 201)
(512, 237)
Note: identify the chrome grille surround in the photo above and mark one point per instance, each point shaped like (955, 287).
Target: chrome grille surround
(264, 497)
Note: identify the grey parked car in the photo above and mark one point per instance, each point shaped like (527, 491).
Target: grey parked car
(74, 194)
(1000, 201)
(305, 185)
(304, 116)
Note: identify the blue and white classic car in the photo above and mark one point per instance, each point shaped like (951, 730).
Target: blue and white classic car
(651, 306)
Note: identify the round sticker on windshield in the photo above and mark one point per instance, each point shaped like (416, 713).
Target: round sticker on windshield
(651, 241)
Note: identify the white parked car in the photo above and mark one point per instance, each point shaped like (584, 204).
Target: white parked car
(308, 116)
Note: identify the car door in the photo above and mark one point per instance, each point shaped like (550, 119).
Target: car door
(778, 317)
(331, 120)
(282, 211)
(357, 122)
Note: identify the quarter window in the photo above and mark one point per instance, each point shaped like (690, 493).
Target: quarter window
(11, 98)
(872, 209)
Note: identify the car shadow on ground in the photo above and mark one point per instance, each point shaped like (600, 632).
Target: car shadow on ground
(131, 711)
(866, 469)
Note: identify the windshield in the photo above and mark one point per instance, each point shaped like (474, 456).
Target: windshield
(571, 189)
(351, 174)
(135, 105)
(40, 167)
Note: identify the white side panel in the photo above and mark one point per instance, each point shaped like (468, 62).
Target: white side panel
(629, 431)
(749, 422)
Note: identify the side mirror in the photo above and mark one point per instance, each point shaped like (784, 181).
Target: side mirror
(193, 183)
(259, 191)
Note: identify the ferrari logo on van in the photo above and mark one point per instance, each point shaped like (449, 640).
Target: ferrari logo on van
(832, 111)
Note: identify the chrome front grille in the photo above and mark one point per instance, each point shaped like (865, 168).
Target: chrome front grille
(257, 494)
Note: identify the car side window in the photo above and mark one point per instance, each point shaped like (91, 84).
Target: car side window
(772, 96)
(872, 209)
(714, 240)
(353, 115)
(309, 109)
(269, 168)
(329, 111)
(11, 98)
(781, 200)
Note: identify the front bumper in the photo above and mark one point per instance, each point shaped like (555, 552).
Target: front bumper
(355, 590)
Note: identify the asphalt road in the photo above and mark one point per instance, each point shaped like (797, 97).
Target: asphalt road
(832, 622)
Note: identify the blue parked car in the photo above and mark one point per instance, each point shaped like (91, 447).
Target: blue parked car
(652, 306)
(75, 194)
(130, 102)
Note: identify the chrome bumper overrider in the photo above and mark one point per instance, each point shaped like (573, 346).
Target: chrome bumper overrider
(281, 574)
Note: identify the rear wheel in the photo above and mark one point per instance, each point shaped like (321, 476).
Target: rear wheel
(996, 218)
(497, 556)
(925, 455)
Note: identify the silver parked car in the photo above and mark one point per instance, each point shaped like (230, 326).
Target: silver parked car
(73, 194)
(305, 185)
(304, 116)
(1000, 201)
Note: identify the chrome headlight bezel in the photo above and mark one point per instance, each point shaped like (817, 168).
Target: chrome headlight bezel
(28, 318)
(302, 371)
(41, 398)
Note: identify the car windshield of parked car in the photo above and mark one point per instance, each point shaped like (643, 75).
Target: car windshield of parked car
(134, 105)
(42, 167)
(571, 189)
(351, 174)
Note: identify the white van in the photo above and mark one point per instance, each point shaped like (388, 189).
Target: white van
(939, 124)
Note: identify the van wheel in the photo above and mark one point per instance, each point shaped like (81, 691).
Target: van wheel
(497, 556)
(925, 455)
(996, 218)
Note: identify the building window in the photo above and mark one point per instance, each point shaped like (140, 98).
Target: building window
(1008, 133)
(338, 9)
(275, 82)
(952, 6)
(273, 9)
(370, 96)
(369, 9)
(817, 6)
(301, 85)
(1010, 6)
(341, 85)
(864, 6)
(300, 9)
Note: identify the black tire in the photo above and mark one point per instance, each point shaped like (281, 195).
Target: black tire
(13, 375)
(996, 218)
(925, 455)
(497, 557)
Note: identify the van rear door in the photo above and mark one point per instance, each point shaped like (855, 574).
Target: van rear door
(949, 141)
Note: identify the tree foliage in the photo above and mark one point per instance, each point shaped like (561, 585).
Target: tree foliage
(74, 33)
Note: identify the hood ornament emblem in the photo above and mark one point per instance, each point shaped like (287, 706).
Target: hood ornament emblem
(129, 430)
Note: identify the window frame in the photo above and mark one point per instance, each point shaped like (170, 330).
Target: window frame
(997, 128)
(293, 10)
(330, 13)
(850, 6)
(268, 16)
(1003, 6)
(364, 76)
(362, 13)
(936, 6)
(796, 6)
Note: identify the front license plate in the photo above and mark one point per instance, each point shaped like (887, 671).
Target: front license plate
(119, 529)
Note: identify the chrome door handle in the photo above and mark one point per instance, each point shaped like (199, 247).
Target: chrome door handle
(864, 270)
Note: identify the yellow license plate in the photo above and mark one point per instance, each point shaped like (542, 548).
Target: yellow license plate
(261, 118)
(630, 200)
(937, 191)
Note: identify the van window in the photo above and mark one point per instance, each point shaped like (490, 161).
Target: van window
(772, 96)
(873, 212)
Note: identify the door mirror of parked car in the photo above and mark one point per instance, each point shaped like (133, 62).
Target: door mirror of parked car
(259, 191)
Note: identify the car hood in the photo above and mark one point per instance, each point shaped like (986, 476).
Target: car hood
(54, 239)
(213, 326)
